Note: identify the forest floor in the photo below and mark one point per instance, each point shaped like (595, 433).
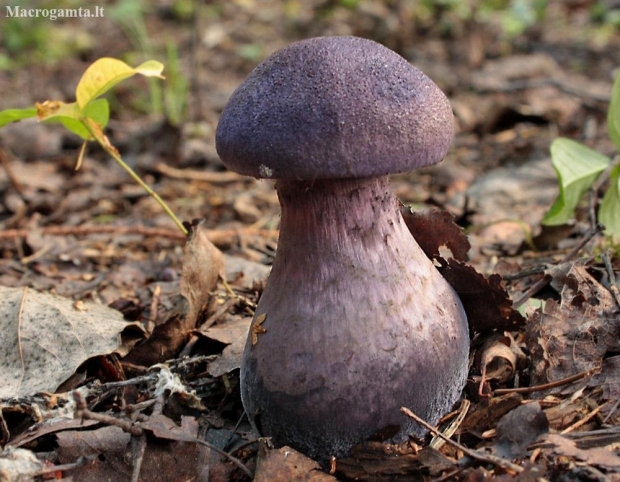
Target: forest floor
(541, 401)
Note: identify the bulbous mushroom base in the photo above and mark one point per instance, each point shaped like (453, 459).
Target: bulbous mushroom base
(355, 322)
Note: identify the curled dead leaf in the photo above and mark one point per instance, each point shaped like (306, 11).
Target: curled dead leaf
(498, 358)
(434, 228)
(203, 264)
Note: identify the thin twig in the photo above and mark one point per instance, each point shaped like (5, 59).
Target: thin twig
(9, 172)
(139, 443)
(532, 290)
(584, 420)
(233, 432)
(613, 288)
(611, 412)
(217, 237)
(437, 443)
(229, 303)
(207, 176)
(546, 386)
(62, 467)
(531, 271)
(472, 453)
(83, 412)
(593, 231)
(576, 91)
(138, 446)
(540, 284)
(90, 229)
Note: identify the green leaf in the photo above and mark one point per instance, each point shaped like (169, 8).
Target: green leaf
(99, 111)
(609, 212)
(150, 68)
(13, 115)
(613, 114)
(577, 167)
(51, 109)
(105, 73)
(69, 116)
(74, 125)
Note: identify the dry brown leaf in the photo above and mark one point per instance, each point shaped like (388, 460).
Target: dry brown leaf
(486, 302)
(203, 264)
(518, 429)
(599, 457)
(611, 374)
(165, 428)
(288, 464)
(433, 228)
(163, 460)
(164, 343)
(234, 333)
(498, 358)
(576, 334)
(45, 339)
(609, 380)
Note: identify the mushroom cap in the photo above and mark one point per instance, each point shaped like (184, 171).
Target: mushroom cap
(334, 107)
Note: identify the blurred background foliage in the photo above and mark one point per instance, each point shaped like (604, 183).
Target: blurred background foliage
(240, 33)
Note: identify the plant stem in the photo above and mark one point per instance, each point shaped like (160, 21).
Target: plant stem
(103, 141)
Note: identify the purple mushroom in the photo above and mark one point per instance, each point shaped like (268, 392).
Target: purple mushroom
(355, 321)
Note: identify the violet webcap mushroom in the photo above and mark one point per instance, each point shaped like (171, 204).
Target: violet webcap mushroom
(355, 321)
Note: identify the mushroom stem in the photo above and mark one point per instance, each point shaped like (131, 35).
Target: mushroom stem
(358, 322)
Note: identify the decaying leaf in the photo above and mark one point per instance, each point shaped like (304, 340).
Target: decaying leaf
(203, 264)
(164, 343)
(498, 358)
(376, 461)
(574, 335)
(234, 333)
(486, 302)
(288, 464)
(518, 429)
(610, 372)
(433, 228)
(45, 339)
(109, 449)
(609, 380)
(597, 456)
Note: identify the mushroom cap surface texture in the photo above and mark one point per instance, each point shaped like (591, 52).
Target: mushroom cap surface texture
(334, 107)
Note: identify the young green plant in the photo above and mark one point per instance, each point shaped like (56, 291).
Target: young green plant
(88, 115)
(578, 167)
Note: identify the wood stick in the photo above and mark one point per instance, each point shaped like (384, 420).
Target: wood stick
(472, 453)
